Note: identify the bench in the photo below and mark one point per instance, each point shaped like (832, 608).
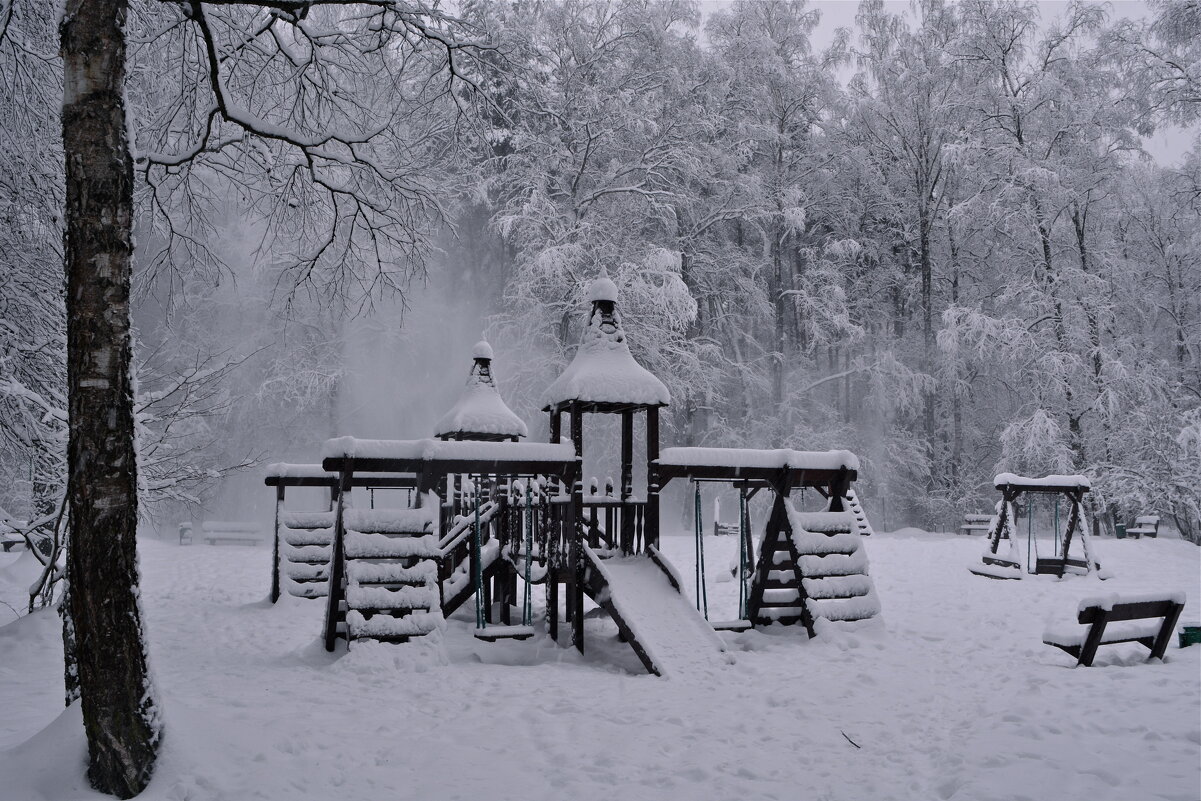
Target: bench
(974, 523)
(1162, 610)
(9, 538)
(725, 529)
(216, 532)
(1145, 526)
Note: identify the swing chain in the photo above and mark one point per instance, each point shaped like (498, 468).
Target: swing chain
(702, 593)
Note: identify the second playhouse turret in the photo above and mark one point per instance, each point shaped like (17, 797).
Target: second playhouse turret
(480, 413)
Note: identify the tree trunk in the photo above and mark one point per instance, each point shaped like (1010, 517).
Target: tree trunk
(120, 714)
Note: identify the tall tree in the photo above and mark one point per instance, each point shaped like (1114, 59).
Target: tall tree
(120, 707)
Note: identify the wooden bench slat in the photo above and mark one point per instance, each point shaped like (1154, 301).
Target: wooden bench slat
(1131, 611)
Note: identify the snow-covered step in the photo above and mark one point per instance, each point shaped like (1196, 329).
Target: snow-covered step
(391, 571)
(857, 608)
(300, 571)
(837, 586)
(390, 521)
(833, 564)
(309, 554)
(300, 537)
(379, 598)
(389, 628)
(362, 545)
(305, 589)
(308, 519)
(843, 542)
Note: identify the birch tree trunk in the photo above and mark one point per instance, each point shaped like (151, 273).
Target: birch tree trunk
(119, 709)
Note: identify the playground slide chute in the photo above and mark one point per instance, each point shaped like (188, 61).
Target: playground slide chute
(643, 597)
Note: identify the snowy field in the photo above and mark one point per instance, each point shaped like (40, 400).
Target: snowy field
(949, 695)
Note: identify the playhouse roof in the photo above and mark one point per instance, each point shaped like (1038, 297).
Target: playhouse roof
(604, 370)
(480, 410)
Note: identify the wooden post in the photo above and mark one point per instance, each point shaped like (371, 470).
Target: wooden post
(838, 490)
(336, 593)
(651, 523)
(627, 480)
(576, 553)
(1095, 633)
(1160, 646)
(279, 502)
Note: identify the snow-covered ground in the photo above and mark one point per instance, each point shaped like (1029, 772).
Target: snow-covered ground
(949, 694)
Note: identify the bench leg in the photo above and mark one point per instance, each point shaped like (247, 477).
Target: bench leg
(1165, 632)
(1093, 639)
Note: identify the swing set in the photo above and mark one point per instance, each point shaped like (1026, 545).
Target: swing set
(745, 559)
(1012, 565)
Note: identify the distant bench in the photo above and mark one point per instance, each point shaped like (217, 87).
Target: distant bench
(974, 523)
(1145, 526)
(9, 538)
(216, 532)
(1096, 613)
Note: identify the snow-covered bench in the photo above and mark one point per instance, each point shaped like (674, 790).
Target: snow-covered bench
(1145, 526)
(215, 532)
(1157, 614)
(974, 523)
(9, 538)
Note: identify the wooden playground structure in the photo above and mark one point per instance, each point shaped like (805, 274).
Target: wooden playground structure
(488, 517)
(1015, 562)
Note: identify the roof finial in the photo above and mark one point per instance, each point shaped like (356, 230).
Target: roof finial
(602, 288)
(481, 350)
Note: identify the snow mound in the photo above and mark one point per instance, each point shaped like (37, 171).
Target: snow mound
(777, 458)
(1001, 479)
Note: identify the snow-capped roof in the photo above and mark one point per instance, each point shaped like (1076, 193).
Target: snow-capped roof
(480, 409)
(1046, 481)
(750, 457)
(434, 449)
(604, 370)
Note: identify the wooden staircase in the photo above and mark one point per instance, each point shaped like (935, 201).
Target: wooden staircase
(856, 509)
(811, 565)
(304, 552)
(385, 578)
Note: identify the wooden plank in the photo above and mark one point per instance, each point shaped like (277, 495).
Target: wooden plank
(1141, 610)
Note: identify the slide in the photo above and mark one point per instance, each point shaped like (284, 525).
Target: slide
(642, 595)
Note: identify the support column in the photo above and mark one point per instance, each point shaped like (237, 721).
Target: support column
(651, 524)
(575, 546)
(627, 481)
(333, 614)
(576, 560)
(279, 503)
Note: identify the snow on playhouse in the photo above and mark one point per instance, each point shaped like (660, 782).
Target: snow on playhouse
(493, 516)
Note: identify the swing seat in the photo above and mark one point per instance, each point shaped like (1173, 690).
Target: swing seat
(494, 633)
(996, 567)
(1044, 566)
(731, 625)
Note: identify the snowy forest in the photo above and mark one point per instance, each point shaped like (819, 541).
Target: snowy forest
(934, 237)
(933, 249)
